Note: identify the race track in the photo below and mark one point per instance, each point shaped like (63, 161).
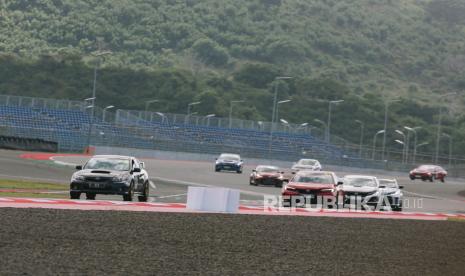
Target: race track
(172, 177)
(102, 237)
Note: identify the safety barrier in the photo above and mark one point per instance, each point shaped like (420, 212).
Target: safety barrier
(19, 143)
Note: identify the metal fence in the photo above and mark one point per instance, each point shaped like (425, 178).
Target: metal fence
(33, 102)
(123, 116)
(131, 134)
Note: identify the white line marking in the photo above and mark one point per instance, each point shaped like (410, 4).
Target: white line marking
(433, 197)
(187, 183)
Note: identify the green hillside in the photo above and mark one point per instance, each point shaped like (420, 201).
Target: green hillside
(215, 51)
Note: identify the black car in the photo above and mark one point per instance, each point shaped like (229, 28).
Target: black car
(111, 175)
(229, 162)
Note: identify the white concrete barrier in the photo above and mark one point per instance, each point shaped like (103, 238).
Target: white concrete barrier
(213, 199)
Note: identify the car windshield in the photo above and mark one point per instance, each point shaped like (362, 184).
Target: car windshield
(268, 169)
(429, 167)
(230, 157)
(113, 164)
(360, 181)
(388, 183)
(307, 162)
(314, 178)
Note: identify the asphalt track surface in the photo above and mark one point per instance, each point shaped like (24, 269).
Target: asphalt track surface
(173, 176)
(49, 241)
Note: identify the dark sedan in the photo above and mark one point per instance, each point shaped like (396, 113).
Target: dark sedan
(111, 175)
(267, 175)
(229, 162)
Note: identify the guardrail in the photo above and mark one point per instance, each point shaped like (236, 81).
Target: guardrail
(19, 143)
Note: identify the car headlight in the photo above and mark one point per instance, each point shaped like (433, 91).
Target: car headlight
(120, 178)
(77, 178)
(290, 188)
(327, 190)
(396, 193)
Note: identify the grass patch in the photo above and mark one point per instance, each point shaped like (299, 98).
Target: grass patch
(34, 195)
(457, 219)
(21, 184)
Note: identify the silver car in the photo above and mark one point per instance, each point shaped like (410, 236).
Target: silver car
(307, 165)
(361, 189)
(390, 189)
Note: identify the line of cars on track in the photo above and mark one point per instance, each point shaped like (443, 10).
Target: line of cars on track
(126, 176)
(308, 184)
(319, 187)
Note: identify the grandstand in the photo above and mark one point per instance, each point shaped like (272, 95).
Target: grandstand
(68, 123)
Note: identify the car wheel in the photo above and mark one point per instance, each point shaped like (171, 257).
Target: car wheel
(412, 177)
(75, 195)
(145, 196)
(279, 184)
(217, 170)
(443, 180)
(431, 179)
(90, 196)
(251, 182)
(239, 171)
(130, 194)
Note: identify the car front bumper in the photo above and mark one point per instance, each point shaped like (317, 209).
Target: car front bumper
(106, 188)
(371, 200)
(420, 176)
(228, 167)
(268, 181)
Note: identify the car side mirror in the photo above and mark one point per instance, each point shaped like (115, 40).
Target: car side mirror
(293, 172)
(382, 186)
(254, 170)
(340, 183)
(79, 167)
(401, 187)
(142, 165)
(282, 172)
(136, 170)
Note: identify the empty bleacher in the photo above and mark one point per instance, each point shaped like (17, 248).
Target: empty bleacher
(70, 129)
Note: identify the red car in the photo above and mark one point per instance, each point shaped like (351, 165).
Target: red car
(428, 172)
(267, 175)
(311, 185)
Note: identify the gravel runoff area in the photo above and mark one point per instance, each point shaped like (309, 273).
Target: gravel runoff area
(63, 242)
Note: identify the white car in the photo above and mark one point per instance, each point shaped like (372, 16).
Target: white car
(390, 188)
(361, 188)
(306, 164)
